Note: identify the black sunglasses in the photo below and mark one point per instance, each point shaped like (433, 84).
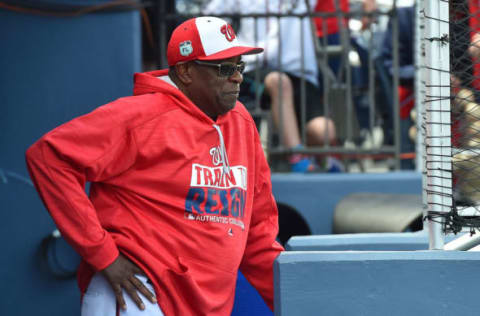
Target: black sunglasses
(225, 69)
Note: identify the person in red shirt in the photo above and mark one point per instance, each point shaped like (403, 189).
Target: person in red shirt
(333, 31)
(180, 196)
(328, 29)
(329, 25)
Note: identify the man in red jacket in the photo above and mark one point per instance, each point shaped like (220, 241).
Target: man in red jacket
(180, 194)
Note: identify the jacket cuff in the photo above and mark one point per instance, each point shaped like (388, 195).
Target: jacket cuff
(103, 255)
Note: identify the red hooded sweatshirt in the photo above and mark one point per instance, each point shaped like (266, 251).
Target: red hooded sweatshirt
(187, 199)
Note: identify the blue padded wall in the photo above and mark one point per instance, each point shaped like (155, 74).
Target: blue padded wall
(52, 69)
(311, 283)
(367, 241)
(370, 241)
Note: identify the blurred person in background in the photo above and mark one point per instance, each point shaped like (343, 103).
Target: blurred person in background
(281, 70)
(334, 31)
(406, 73)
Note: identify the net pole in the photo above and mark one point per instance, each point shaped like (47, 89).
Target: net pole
(419, 89)
(437, 104)
(420, 78)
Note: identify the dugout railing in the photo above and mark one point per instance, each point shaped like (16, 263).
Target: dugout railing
(380, 138)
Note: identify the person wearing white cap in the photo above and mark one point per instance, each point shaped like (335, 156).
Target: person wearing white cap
(180, 194)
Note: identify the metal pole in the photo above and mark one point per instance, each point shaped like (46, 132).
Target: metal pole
(257, 66)
(345, 62)
(476, 248)
(465, 242)
(321, 64)
(419, 60)
(371, 81)
(419, 90)
(437, 105)
(395, 83)
(348, 80)
(162, 34)
(303, 101)
(280, 82)
(325, 77)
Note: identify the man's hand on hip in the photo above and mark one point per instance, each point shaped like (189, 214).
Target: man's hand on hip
(121, 275)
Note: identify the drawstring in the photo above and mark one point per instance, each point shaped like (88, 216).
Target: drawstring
(223, 151)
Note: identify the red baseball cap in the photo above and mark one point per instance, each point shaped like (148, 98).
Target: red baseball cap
(205, 38)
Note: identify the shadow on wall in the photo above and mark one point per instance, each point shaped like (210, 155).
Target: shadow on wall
(291, 223)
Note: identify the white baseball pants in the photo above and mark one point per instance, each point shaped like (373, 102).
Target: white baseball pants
(99, 300)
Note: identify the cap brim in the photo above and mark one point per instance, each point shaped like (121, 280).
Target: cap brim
(233, 52)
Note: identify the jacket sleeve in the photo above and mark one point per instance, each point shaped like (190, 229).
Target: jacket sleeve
(92, 148)
(262, 248)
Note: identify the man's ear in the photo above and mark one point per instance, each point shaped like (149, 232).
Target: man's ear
(184, 73)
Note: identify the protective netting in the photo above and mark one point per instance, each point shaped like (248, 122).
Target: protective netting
(465, 73)
(458, 203)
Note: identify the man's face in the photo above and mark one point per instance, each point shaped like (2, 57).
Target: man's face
(213, 93)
